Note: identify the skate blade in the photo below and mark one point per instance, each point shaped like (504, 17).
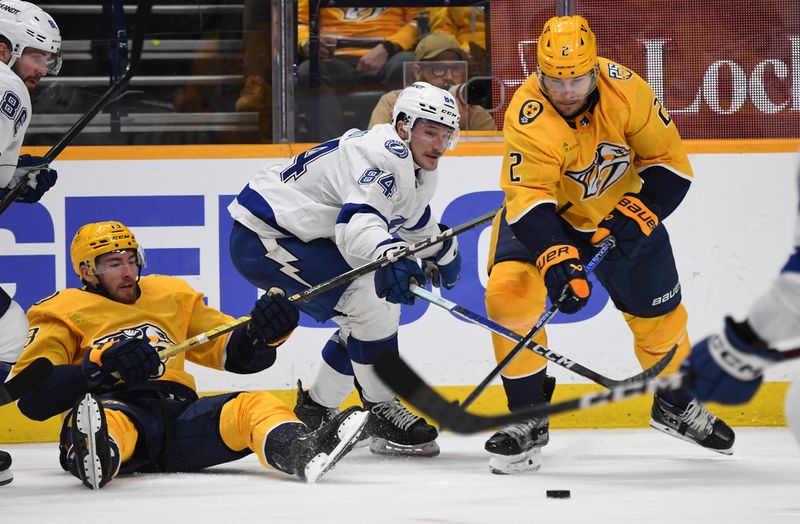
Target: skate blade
(348, 433)
(528, 462)
(381, 446)
(674, 433)
(88, 423)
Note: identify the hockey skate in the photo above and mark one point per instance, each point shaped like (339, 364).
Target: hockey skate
(693, 424)
(94, 457)
(315, 453)
(6, 476)
(395, 431)
(309, 412)
(516, 448)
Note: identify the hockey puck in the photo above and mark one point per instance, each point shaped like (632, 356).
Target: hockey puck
(558, 493)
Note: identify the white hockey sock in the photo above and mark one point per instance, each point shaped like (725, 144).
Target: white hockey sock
(330, 388)
(372, 388)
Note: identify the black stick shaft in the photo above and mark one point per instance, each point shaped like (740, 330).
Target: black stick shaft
(142, 17)
(543, 320)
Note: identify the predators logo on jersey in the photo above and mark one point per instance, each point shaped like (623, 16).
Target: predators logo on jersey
(362, 13)
(611, 162)
(153, 334)
(529, 111)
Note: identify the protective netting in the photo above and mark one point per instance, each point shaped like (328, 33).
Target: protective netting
(723, 69)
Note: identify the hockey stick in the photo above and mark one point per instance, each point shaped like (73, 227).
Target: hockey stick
(407, 383)
(607, 245)
(549, 354)
(348, 276)
(142, 17)
(393, 256)
(23, 383)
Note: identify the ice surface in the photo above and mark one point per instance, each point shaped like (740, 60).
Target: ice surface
(621, 475)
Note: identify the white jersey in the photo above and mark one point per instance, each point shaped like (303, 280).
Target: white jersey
(356, 190)
(15, 113)
(775, 317)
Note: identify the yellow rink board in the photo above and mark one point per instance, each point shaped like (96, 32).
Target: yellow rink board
(766, 409)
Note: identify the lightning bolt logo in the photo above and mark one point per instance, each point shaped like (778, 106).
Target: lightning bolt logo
(285, 259)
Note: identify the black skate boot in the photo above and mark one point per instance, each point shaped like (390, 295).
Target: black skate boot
(516, 448)
(693, 424)
(309, 412)
(396, 431)
(313, 454)
(94, 457)
(6, 476)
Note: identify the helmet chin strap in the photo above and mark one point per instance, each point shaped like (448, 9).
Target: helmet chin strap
(407, 139)
(407, 142)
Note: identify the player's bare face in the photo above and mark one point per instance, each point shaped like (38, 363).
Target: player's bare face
(429, 141)
(118, 272)
(568, 95)
(32, 66)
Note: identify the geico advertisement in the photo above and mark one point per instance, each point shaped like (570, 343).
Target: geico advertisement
(730, 237)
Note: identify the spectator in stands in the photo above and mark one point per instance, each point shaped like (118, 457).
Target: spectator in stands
(358, 47)
(468, 26)
(359, 43)
(440, 61)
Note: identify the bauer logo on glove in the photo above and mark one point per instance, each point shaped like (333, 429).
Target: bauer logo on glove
(631, 222)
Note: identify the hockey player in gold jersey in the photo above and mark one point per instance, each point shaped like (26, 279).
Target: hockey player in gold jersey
(590, 152)
(134, 413)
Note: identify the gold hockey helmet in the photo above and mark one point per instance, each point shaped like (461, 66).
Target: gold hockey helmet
(93, 240)
(567, 47)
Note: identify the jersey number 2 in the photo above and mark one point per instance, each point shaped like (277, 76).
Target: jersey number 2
(516, 159)
(662, 113)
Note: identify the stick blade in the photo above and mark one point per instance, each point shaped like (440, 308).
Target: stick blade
(37, 372)
(397, 374)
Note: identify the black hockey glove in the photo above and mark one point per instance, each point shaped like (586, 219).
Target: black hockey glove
(563, 274)
(272, 319)
(133, 358)
(630, 223)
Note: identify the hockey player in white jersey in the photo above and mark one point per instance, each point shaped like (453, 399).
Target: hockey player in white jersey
(338, 206)
(30, 46)
(728, 367)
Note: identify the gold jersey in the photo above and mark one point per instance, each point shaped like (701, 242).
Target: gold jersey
(395, 24)
(64, 326)
(584, 166)
(465, 23)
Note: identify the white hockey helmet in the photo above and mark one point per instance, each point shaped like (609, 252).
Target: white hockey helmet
(423, 100)
(27, 25)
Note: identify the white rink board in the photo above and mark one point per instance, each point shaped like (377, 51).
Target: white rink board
(730, 236)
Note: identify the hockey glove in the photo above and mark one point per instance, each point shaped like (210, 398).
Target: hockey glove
(563, 274)
(392, 281)
(445, 267)
(725, 368)
(630, 223)
(39, 180)
(133, 358)
(272, 319)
